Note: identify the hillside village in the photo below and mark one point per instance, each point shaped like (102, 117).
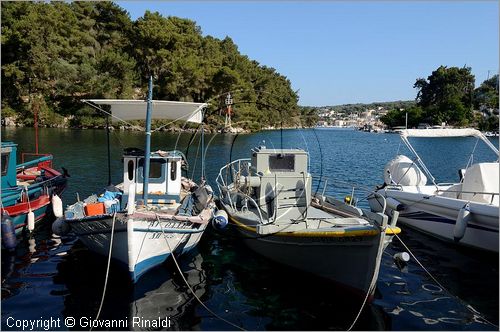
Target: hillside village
(363, 116)
(368, 119)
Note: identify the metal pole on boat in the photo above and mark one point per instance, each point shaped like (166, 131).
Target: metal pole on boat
(202, 179)
(406, 121)
(109, 152)
(36, 127)
(147, 151)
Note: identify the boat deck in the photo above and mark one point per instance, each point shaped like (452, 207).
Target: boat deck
(298, 218)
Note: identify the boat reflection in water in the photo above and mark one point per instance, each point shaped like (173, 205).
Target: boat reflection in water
(164, 306)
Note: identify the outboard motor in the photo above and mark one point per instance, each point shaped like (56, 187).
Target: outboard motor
(403, 171)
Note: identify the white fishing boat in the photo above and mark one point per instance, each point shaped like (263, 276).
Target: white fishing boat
(465, 212)
(144, 219)
(269, 200)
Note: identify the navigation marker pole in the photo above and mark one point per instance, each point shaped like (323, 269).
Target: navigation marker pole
(228, 102)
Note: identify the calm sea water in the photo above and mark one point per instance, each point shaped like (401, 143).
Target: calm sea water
(59, 278)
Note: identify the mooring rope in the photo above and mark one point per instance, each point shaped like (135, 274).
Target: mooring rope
(107, 268)
(189, 286)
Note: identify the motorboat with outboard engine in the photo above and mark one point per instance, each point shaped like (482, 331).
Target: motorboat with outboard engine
(465, 212)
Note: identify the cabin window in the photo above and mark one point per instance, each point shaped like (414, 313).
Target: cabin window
(155, 168)
(173, 170)
(5, 163)
(130, 169)
(282, 162)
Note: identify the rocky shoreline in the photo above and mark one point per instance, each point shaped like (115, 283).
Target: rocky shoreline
(12, 122)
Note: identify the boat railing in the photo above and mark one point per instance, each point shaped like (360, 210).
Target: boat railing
(445, 184)
(229, 169)
(230, 174)
(459, 192)
(43, 160)
(355, 189)
(227, 175)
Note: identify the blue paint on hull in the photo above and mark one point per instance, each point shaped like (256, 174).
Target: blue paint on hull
(20, 221)
(147, 265)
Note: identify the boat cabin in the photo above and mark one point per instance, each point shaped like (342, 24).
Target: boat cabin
(279, 178)
(164, 175)
(8, 164)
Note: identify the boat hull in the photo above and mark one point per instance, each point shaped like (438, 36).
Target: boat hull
(437, 216)
(347, 261)
(39, 202)
(139, 245)
(40, 206)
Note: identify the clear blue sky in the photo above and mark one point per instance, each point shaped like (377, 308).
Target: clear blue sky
(347, 52)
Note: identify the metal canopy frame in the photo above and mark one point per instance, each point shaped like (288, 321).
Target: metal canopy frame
(440, 133)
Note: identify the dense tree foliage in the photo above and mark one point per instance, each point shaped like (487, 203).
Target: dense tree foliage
(486, 95)
(55, 54)
(397, 117)
(447, 95)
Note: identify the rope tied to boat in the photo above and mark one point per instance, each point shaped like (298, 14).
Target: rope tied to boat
(189, 286)
(107, 268)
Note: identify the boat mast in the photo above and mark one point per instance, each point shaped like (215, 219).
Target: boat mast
(36, 127)
(202, 179)
(147, 151)
(109, 151)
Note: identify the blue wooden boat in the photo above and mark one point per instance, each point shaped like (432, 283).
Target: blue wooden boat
(27, 187)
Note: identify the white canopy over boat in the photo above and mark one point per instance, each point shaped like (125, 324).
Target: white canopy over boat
(131, 109)
(447, 132)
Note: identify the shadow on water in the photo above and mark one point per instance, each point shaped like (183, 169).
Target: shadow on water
(262, 295)
(160, 293)
(28, 287)
(245, 289)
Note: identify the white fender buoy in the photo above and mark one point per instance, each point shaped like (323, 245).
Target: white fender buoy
(31, 221)
(57, 206)
(463, 218)
(131, 199)
(401, 260)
